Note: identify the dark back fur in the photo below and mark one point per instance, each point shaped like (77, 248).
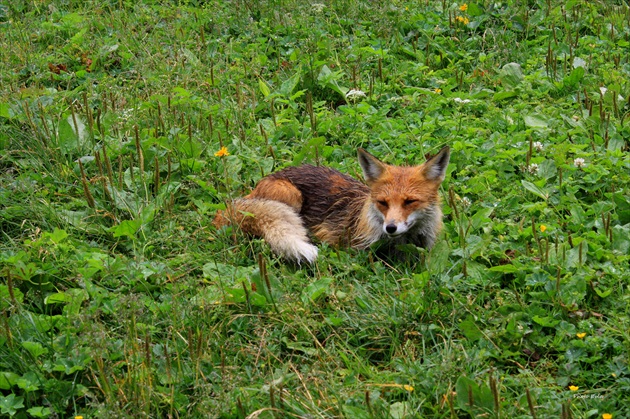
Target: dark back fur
(331, 199)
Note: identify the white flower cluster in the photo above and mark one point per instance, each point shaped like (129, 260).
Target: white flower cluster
(460, 100)
(318, 7)
(355, 94)
(532, 168)
(579, 162)
(538, 146)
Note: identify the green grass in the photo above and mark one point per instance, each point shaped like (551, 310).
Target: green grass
(118, 298)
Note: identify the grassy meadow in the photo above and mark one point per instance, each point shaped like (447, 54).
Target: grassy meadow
(124, 127)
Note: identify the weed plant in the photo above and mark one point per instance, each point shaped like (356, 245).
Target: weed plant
(125, 125)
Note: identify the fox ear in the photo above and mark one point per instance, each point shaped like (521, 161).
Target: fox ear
(435, 167)
(372, 167)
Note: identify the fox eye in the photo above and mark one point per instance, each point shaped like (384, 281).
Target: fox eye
(410, 201)
(383, 204)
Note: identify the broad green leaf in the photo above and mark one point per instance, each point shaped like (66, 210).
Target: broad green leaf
(315, 289)
(511, 75)
(287, 87)
(578, 216)
(469, 328)
(622, 203)
(481, 217)
(545, 321)
(181, 92)
(10, 404)
(299, 346)
(4, 110)
(57, 298)
(7, 379)
(507, 268)
(543, 193)
(603, 293)
(264, 89)
(235, 295)
(535, 121)
(5, 296)
(313, 144)
(473, 398)
(574, 78)
(507, 94)
(39, 412)
(475, 9)
(126, 228)
(438, 257)
(67, 137)
(35, 348)
(576, 257)
(329, 79)
(57, 236)
(621, 239)
(29, 382)
(400, 410)
(547, 169)
(573, 291)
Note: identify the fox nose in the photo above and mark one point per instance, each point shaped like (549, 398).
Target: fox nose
(390, 228)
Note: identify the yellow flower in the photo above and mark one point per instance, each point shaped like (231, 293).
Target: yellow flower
(405, 387)
(543, 228)
(606, 416)
(222, 152)
(438, 90)
(574, 388)
(581, 335)
(78, 417)
(463, 7)
(463, 20)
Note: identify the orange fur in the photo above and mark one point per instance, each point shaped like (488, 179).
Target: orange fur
(399, 204)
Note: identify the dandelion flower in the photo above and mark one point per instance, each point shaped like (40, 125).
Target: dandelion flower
(355, 94)
(581, 335)
(606, 416)
(463, 7)
(574, 388)
(543, 228)
(538, 146)
(223, 151)
(408, 388)
(438, 90)
(579, 162)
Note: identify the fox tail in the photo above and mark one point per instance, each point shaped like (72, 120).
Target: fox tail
(277, 223)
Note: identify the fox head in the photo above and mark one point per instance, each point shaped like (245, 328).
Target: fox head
(402, 196)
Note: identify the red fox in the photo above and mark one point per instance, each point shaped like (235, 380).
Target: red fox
(399, 203)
